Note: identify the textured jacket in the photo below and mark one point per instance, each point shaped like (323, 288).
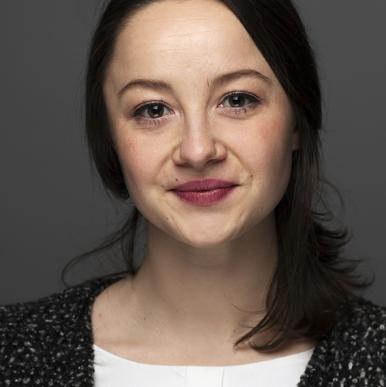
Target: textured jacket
(48, 342)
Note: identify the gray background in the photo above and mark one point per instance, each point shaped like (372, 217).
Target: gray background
(52, 206)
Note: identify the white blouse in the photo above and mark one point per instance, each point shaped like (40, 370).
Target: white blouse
(115, 371)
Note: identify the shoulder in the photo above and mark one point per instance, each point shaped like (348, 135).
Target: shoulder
(361, 326)
(34, 331)
(354, 351)
(50, 311)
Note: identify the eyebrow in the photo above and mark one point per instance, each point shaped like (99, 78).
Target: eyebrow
(218, 81)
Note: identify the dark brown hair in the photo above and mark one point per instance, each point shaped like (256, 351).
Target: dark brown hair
(312, 277)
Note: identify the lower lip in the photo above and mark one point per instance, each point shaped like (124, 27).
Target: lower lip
(204, 198)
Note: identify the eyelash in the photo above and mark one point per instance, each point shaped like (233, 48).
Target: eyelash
(137, 113)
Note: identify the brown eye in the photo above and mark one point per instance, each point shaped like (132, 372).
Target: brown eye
(240, 100)
(236, 100)
(151, 111)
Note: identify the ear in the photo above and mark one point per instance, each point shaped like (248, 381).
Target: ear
(295, 139)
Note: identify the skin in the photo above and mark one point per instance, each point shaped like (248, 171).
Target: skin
(206, 268)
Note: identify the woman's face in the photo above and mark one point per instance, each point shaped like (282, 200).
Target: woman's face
(194, 129)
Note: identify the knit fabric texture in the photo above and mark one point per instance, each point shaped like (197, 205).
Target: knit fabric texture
(48, 342)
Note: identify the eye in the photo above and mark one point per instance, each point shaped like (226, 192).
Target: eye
(151, 112)
(240, 101)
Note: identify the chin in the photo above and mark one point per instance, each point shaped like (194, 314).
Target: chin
(205, 241)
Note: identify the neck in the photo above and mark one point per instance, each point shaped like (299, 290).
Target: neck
(206, 293)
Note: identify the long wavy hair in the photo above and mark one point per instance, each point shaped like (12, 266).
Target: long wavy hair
(312, 278)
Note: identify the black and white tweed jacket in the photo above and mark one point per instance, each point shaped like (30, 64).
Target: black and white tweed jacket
(48, 342)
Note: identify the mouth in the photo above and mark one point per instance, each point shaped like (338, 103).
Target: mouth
(206, 185)
(205, 198)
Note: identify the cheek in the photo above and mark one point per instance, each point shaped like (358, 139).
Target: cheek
(268, 152)
(138, 162)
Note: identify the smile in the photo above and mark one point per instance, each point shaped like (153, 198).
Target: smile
(204, 198)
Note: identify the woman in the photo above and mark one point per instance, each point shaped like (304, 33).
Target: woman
(206, 114)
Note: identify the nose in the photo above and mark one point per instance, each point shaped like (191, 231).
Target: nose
(198, 146)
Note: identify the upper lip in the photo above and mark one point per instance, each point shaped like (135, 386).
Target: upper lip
(203, 185)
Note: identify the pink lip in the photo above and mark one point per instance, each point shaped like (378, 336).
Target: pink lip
(204, 192)
(203, 185)
(204, 198)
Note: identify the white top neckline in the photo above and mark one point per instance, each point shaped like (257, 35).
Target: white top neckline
(287, 359)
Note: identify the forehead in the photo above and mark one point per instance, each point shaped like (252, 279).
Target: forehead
(193, 36)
